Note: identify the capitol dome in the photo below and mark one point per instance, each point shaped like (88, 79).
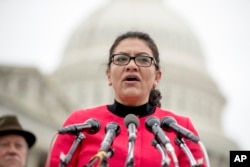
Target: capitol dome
(186, 86)
(170, 32)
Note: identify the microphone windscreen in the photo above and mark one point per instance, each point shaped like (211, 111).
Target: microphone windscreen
(150, 122)
(131, 118)
(95, 126)
(166, 122)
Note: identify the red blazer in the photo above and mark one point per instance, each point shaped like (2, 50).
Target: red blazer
(145, 154)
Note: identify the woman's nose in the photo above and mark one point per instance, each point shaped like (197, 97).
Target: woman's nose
(131, 65)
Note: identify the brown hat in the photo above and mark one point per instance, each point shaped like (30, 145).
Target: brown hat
(9, 124)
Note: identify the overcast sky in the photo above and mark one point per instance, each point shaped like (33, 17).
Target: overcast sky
(35, 32)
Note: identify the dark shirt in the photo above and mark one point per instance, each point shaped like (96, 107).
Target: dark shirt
(122, 110)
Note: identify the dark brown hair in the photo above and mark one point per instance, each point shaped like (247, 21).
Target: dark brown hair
(155, 95)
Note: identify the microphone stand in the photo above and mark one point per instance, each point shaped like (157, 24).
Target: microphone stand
(130, 158)
(65, 159)
(181, 143)
(165, 160)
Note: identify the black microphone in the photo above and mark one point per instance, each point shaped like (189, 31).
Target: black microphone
(170, 124)
(153, 125)
(112, 130)
(91, 126)
(131, 122)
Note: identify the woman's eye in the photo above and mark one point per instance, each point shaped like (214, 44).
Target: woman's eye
(122, 59)
(144, 59)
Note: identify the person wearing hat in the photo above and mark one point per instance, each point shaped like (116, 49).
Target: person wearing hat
(15, 142)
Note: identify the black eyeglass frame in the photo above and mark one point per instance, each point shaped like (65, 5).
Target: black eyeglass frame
(134, 58)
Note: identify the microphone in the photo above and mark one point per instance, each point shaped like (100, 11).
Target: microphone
(153, 125)
(112, 130)
(131, 122)
(170, 124)
(91, 126)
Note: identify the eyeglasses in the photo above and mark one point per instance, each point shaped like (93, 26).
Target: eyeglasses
(140, 60)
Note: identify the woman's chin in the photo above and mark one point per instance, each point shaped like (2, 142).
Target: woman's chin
(132, 96)
(132, 92)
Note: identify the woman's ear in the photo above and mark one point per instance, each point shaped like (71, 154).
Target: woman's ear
(108, 77)
(158, 76)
